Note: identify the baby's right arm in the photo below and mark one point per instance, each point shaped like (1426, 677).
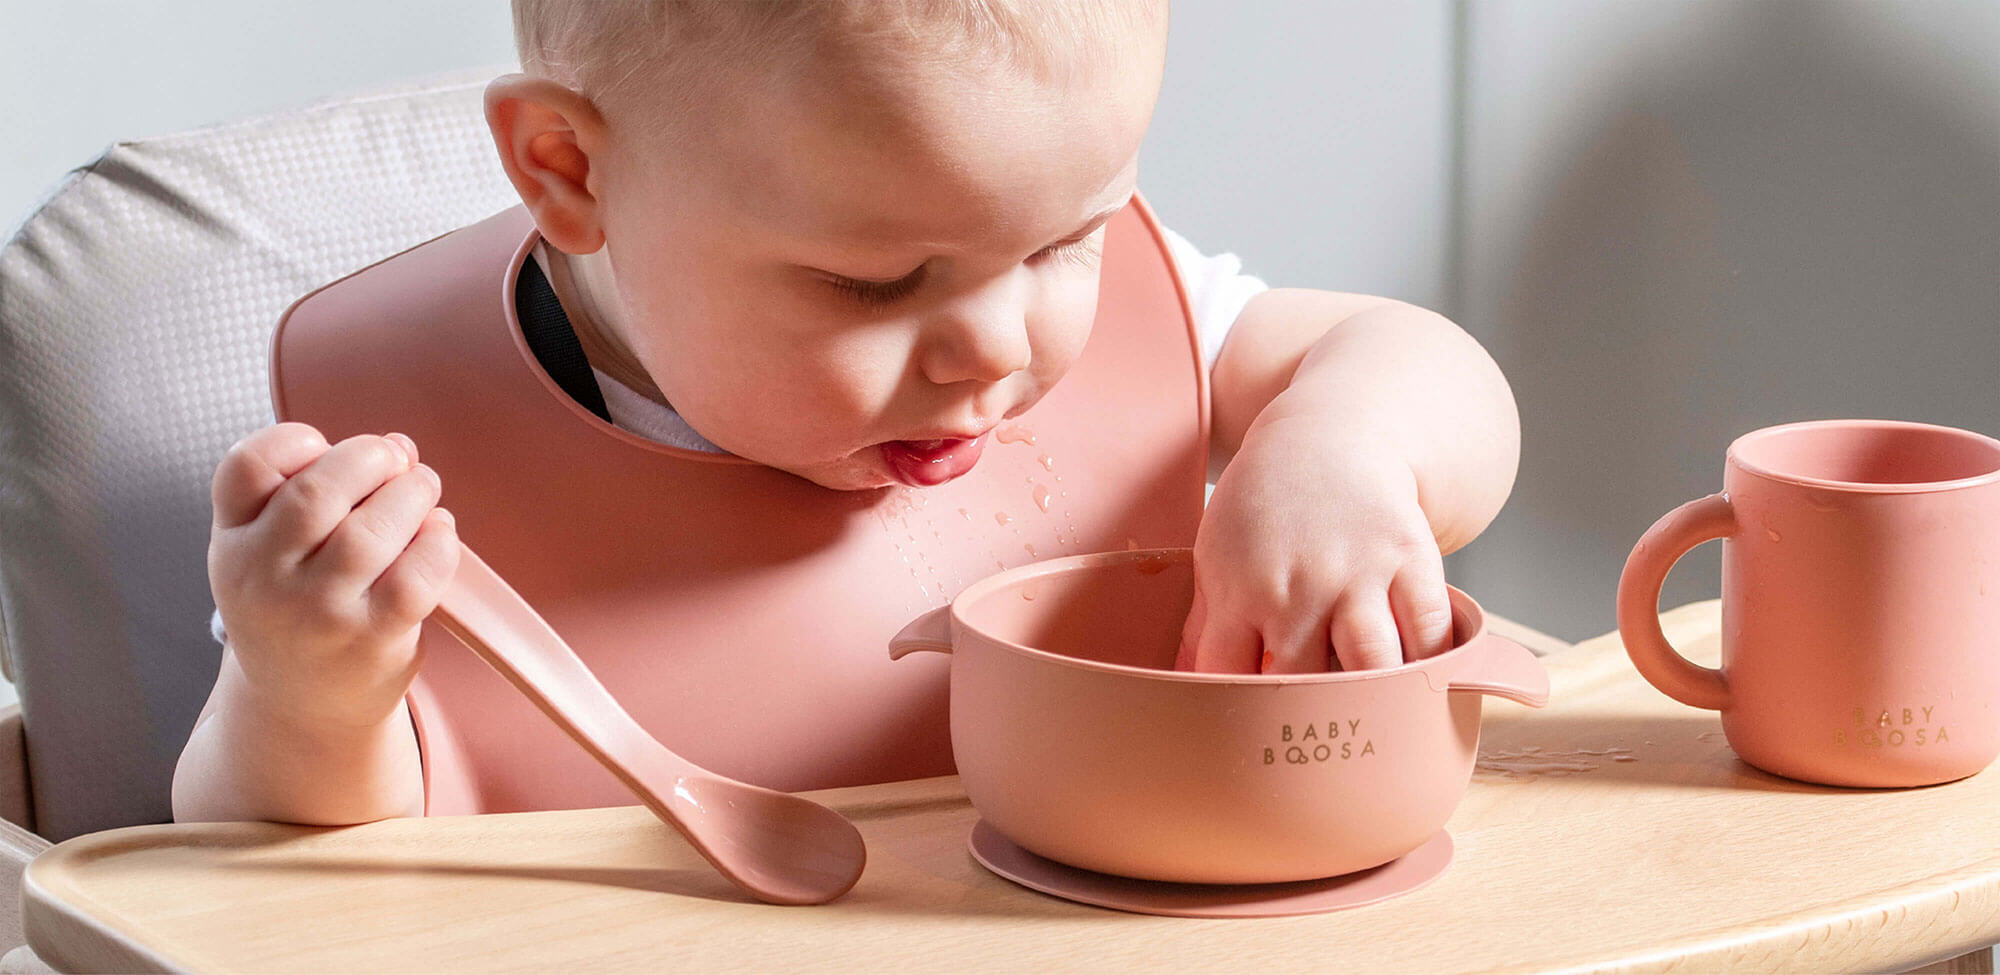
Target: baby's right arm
(323, 561)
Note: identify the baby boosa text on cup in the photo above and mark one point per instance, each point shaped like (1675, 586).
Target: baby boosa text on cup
(1308, 744)
(1885, 730)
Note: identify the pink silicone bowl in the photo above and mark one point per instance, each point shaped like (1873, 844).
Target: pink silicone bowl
(1076, 739)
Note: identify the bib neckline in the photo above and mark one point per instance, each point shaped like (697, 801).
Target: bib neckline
(561, 399)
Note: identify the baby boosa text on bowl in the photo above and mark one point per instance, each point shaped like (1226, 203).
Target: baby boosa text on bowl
(1311, 744)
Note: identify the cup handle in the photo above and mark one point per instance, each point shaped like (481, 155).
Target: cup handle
(1646, 570)
(931, 631)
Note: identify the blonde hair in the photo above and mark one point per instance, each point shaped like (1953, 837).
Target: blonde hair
(594, 46)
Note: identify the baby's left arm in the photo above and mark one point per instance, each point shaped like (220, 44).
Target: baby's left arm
(1358, 439)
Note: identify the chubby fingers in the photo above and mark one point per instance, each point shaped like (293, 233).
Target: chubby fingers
(411, 586)
(372, 535)
(1191, 632)
(303, 513)
(256, 466)
(1218, 643)
(1364, 632)
(1296, 643)
(1369, 627)
(1422, 607)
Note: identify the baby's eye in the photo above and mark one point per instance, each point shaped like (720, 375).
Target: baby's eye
(879, 292)
(1080, 253)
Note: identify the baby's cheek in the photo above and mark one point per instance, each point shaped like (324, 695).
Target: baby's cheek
(858, 377)
(1060, 332)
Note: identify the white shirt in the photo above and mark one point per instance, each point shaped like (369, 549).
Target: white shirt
(1217, 291)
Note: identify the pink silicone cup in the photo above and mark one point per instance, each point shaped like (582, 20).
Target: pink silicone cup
(779, 847)
(1860, 602)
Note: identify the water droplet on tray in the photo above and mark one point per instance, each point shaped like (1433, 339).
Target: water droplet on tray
(1532, 762)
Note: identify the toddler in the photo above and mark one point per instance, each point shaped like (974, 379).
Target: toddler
(806, 262)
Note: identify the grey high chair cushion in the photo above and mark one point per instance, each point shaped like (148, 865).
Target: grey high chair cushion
(136, 312)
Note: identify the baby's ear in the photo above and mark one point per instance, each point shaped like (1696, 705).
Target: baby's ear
(547, 135)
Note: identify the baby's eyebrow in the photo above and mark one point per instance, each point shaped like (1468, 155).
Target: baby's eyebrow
(866, 243)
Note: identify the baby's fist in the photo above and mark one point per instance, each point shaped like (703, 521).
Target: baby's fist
(323, 561)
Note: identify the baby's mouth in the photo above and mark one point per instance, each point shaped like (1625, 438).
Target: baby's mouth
(928, 463)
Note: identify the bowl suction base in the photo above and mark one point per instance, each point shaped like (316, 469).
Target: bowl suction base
(1399, 876)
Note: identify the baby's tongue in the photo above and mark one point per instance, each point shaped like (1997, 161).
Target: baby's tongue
(928, 463)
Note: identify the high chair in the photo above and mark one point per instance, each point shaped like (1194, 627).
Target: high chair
(136, 311)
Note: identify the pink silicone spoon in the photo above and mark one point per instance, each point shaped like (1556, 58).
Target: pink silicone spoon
(782, 848)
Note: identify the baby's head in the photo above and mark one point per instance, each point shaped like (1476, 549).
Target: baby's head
(835, 225)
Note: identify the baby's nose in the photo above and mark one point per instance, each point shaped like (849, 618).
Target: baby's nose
(984, 338)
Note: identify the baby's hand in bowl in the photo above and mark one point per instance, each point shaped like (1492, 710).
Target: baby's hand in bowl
(1314, 555)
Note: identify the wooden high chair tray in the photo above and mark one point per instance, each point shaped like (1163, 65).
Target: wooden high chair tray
(1614, 830)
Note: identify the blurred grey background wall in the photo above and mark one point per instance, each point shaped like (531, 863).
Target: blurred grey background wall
(78, 75)
(1679, 221)
(1672, 221)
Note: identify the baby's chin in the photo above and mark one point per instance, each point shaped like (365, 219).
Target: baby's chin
(845, 480)
(859, 471)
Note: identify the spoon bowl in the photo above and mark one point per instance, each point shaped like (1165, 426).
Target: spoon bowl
(817, 850)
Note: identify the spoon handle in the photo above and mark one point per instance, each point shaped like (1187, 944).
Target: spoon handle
(779, 847)
(487, 615)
